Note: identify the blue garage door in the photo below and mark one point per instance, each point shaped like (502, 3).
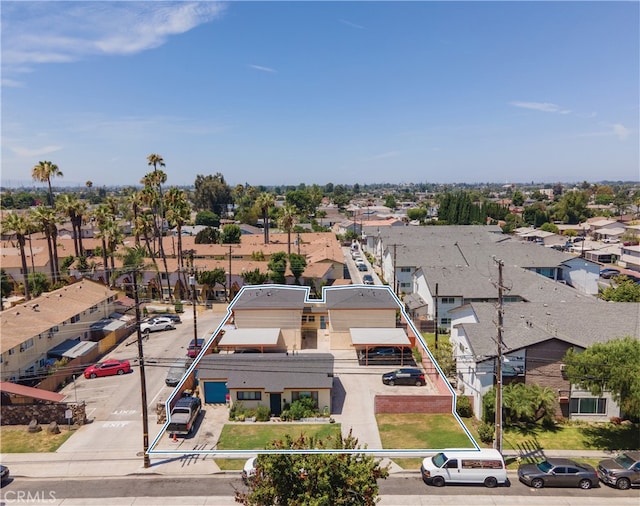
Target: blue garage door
(215, 392)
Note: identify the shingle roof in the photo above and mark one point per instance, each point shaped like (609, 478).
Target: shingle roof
(360, 297)
(270, 297)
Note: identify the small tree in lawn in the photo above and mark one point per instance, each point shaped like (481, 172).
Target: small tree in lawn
(314, 478)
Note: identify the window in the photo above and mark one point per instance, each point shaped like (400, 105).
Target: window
(405, 269)
(93, 309)
(448, 300)
(249, 396)
(452, 464)
(27, 344)
(588, 406)
(309, 318)
(12, 351)
(405, 285)
(445, 321)
(75, 318)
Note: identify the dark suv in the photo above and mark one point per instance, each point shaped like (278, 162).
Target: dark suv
(404, 376)
(622, 471)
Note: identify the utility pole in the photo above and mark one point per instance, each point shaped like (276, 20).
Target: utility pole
(436, 316)
(192, 283)
(498, 436)
(229, 291)
(395, 274)
(143, 381)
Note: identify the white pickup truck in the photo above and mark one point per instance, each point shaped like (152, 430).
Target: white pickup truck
(184, 415)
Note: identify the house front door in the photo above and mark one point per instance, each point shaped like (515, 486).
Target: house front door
(276, 404)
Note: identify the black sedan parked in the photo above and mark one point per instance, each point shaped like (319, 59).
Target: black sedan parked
(558, 473)
(404, 376)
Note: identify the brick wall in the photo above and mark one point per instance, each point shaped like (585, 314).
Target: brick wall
(430, 404)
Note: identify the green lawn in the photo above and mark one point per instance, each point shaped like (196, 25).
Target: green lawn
(416, 431)
(19, 440)
(249, 436)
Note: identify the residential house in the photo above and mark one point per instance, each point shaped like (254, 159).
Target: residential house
(32, 329)
(536, 336)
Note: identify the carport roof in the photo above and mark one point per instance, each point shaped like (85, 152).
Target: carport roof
(379, 336)
(250, 337)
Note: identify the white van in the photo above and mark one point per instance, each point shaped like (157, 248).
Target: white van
(469, 466)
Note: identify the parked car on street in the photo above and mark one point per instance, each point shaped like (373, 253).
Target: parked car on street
(4, 474)
(609, 272)
(108, 368)
(194, 347)
(558, 473)
(485, 466)
(174, 317)
(177, 371)
(367, 279)
(362, 266)
(249, 470)
(404, 376)
(156, 324)
(622, 471)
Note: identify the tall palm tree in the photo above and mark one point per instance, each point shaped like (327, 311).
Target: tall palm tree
(104, 217)
(287, 221)
(178, 213)
(74, 209)
(152, 196)
(134, 204)
(265, 201)
(19, 225)
(43, 172)
(46, 218)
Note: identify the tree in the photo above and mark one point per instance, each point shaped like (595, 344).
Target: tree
(46, 218)
(297, 264)
(265, 201)
(622, 290)
(550, 227)
(390, 202)
(43, 172)
(207, 218)
(518, 198)
(208, 235)
(6, 287)
(212, 193)
(38, 284)
(104, 218)
(613, 366)
(417, 213)
(521, 403)
(70, 206)
(315, 478)
(178, 213)
(572, 208)
(278, 267)
(209, 279)
(231, 234)
(287, 221)
(254, 277)
(20, 226)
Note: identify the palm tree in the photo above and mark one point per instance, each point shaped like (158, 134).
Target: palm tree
(178, 213)
(135, 203)
(46, 219)
(43, 172)
(265, 201)
(287, 221)
(19, 225)
(103, 217)
(75, 209)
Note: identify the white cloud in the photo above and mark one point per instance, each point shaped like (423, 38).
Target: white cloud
(261, 68)
(620, 131)
(349, 23)
(541, 106)
(28, 153)
(58, 32)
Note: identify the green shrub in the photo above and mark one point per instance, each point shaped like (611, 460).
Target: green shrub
(263, 414)
(463, 406)
(485, 431)
(302, 408)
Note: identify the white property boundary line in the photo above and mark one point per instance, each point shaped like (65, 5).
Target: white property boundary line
(378, 453)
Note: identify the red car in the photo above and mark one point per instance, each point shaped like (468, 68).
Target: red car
(107, 368)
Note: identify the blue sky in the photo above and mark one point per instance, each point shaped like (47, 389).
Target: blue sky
(273, 93)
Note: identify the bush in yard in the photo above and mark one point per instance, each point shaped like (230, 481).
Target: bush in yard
(463, 406)
(302, 408)
(263, 414)
(485, 431)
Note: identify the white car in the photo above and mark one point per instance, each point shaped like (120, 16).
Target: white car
(156, 324)
(249, 469)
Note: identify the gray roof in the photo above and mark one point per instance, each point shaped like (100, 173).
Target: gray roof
(358, 297)
(578, 322)
(272, 372)
(250, 337)
(269, 297)
(383, 336)
(414, 301)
